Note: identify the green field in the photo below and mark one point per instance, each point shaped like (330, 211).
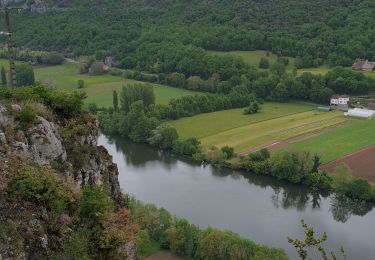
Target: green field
(339, 142)
(99, 88)
(253, 57)
(276, 122)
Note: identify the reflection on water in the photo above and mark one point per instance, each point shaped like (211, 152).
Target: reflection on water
(258, 207)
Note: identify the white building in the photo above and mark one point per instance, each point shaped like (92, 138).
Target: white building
(362, 113)
(339, 100)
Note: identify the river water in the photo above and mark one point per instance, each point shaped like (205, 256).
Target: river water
(260, 208)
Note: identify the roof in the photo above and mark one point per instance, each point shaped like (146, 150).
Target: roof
(363, 64)
(339, 96)
(358, 64)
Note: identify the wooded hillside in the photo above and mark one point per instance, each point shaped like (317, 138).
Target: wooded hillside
(336, 31)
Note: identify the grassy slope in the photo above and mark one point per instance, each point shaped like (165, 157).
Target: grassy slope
(99, 88)
(213, 123)
(275, 130)
(339, 142)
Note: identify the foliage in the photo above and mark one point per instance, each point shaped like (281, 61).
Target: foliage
(3, 76)
(264, 63)
(164, 136)
(189, 147)
(94, 203)
(228, 152)
(304, 247)
(115, 101)
(215, 244)
(26, 115)
(96, 69)
(52, 58)
(81, 83)
(25, 75)
(40, 187)
(189, 241)
(136, 92)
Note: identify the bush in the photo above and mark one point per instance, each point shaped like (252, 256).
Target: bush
(94, 203)
(52, 58)
(96, 68)
(260, 155)
(26, 115)
(42, 188)
(81, 83)
(283, 60)
(228, 151)
(187, 147)
(25, 75)
(215, 244)
(264, 63)
(163, 136)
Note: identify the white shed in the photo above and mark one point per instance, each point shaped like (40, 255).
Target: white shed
(359, 112)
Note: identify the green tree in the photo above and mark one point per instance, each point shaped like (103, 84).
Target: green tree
(25, 75)
(164, 136)
(81, 83)
(136, 92)
(264, 63)
(115, 101)
(3, 76)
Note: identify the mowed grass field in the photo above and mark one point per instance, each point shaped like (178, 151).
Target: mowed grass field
(339, 142)
(276, 122)
(99, 89)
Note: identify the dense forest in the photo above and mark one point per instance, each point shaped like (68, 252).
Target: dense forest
(145, 34)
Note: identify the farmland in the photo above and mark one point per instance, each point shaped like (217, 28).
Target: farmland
(276, 122)
(339, 142)
(98, 88)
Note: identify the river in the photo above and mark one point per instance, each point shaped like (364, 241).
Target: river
(260, 208)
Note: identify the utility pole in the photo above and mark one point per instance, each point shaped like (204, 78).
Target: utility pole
(8, 35)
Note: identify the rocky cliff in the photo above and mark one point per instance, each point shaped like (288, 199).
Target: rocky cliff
(45, 163)
(45, 143)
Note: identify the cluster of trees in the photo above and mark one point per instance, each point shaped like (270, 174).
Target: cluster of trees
(187, 240)
(302, 168)
(35, 57)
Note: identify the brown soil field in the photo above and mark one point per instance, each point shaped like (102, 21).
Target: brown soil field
(362, 164)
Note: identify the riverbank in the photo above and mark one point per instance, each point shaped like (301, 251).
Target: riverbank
(257, 207)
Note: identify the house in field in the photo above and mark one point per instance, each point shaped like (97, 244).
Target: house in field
(364, 65)
(339, 100)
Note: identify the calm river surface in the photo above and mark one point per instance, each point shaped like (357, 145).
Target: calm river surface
(257, 207)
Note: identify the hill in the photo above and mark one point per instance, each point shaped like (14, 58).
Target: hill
(314, 31)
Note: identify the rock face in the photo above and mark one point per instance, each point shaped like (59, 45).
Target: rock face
(44, 146)
(42, 143)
